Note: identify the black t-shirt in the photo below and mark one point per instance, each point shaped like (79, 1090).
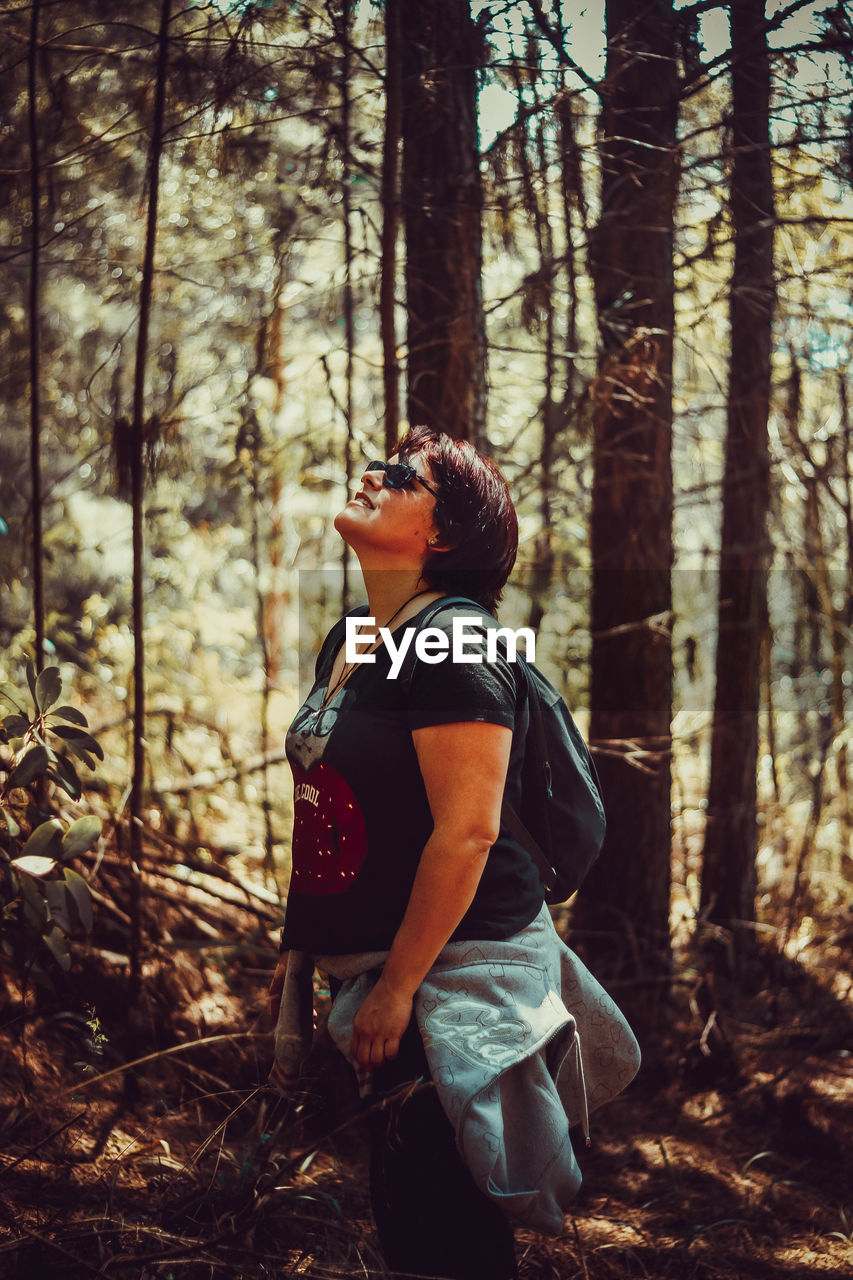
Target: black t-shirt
(361, 814)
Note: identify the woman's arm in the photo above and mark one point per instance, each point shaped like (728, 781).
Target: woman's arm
(464, 769)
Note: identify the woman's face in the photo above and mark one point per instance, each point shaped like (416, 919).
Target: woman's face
(392, 526)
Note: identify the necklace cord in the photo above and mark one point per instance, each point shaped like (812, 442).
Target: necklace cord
(349, 668)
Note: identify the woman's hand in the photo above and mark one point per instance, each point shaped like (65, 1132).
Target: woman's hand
(277, 986)
(379, 1025)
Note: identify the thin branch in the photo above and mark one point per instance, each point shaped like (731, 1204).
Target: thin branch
(35, 344)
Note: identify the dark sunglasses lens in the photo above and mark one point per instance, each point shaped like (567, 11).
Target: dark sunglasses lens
(398, 475)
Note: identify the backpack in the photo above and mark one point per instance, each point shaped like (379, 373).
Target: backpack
(561, 824)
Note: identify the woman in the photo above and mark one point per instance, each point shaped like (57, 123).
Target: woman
(411, 772)
(402, 871)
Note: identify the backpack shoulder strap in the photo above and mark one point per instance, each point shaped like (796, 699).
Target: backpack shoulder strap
(436, 607)
(432, 611)
(509, 817)
(519, 832)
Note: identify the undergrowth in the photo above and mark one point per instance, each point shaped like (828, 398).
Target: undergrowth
(183, 1164)
(144, 1143)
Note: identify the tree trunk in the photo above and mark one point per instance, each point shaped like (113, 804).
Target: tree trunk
(539, 297)
(348, 305)
(271, 603)
(137, 473)
(729, 879)
(625, 900)
(390, 210)
(442, 209)
(847, 613)
(572, 198)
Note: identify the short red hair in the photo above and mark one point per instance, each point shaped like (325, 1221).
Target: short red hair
(474, 515)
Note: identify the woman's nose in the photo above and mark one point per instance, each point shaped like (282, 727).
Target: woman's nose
(373, 479)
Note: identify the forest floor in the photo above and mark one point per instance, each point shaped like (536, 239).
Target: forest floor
(730, 1155)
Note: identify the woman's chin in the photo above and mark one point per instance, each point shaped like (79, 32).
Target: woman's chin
(346, 521)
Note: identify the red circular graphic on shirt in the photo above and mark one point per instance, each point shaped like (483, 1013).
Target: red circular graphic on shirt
(329, 836)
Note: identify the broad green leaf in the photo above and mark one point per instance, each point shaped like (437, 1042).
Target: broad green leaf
(35, 865)
(41, 979)
(14, 829)
(10, 693)
(48, 688)
(44, 841)
(71, 735)
(35, 905)
(81, 753)
(51, 754)
(65, 775)
(57, 943)
(16, 726)
(82, 897)
(80, 837)
(62, 907)
(72, 715)
(31, 680)
(34, 763)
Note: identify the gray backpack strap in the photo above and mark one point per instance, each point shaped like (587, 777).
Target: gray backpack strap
(517, 829)
(433, 610)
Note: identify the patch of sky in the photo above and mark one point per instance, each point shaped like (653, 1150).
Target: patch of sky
(583, 25)
(800, 26)
(826, 351)
(714, 32)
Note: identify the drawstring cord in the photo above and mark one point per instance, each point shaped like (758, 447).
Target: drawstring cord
(576, 1046)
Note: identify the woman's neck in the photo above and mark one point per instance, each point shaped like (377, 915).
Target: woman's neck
(389, 590)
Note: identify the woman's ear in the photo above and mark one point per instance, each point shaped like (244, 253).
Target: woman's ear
(437, 543)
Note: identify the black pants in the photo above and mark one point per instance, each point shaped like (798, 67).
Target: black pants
(431, 1217)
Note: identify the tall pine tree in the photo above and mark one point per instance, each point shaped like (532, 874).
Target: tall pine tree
(442, 211)
(728, 878)
(626, 897)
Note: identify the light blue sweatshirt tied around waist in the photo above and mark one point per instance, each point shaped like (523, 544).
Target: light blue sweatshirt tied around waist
(522, 1042)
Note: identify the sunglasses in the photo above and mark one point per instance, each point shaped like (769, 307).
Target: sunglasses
(399, 475)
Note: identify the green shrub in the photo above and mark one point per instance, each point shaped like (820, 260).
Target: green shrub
(43, 901)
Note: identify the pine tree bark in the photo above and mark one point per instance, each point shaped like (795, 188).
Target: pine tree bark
(137, 475)
(729, 875)
(625, 900)
(348, 303)
(539, 297)
(271, 604)
(442, 210)
(390, 221)
(847, 613)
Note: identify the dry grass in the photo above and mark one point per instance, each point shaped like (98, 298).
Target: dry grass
(714, 1164)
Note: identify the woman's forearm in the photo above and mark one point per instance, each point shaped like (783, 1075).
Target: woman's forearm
(449, 871)
(447, 877)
